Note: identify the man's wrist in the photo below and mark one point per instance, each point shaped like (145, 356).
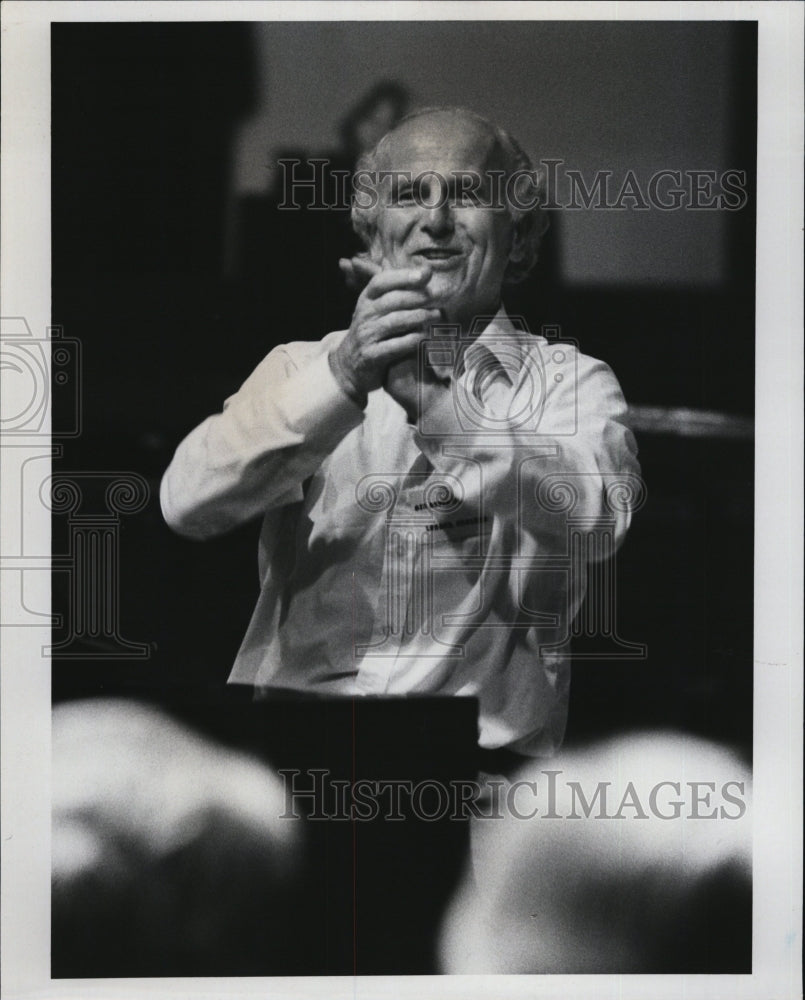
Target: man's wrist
(430, 394)
(347, 384)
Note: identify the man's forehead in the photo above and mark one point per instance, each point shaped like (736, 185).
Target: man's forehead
(440, 140)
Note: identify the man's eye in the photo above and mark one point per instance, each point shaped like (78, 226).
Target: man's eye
(405, 196)
(467, 199)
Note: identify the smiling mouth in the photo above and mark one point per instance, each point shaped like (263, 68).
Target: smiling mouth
(438, 253)
(441, 258)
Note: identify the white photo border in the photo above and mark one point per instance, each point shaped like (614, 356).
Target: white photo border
(25, 291)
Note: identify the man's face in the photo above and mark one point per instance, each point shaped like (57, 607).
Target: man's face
(466, 245)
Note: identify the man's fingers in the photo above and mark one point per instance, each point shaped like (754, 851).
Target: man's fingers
(363, 263)
(358, 271)
(360, 264)
(389, 351)
(397, 299)
(401, 277)
(395, 323)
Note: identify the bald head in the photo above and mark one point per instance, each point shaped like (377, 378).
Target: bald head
(472, 142)
(453, 162)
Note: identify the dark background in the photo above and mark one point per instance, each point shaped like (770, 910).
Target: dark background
(177, 284)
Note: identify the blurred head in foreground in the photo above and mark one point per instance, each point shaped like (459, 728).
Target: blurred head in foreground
(167, 851)
(652, 878)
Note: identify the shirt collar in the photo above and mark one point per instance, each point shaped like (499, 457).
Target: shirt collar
(507, 343)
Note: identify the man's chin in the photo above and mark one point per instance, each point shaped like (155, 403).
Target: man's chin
(460, 308)
(447, 293)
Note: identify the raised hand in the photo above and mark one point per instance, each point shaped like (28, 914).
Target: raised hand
(392, 315)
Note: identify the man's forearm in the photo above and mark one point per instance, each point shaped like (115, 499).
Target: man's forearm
(272, 434)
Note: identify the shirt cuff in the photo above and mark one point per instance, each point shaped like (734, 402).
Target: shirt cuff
(313, 398)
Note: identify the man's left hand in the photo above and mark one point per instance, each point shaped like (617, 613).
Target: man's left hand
(414, 385)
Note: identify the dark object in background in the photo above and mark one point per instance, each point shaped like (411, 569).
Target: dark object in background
(368, 120)
(378, 887)
(143, 117)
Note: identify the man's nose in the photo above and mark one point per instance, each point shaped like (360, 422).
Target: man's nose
(437, 219)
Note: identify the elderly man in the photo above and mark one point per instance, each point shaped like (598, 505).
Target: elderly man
(411, 471)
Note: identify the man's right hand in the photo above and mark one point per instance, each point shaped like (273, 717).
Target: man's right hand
(392, 315)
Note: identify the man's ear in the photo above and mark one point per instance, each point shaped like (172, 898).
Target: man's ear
(519, 240)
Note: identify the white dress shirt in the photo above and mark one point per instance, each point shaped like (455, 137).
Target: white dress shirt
(434, 559)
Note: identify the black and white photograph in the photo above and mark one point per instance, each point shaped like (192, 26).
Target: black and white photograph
(402, 464)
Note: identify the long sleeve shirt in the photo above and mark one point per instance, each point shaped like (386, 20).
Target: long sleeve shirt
(401, 559)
